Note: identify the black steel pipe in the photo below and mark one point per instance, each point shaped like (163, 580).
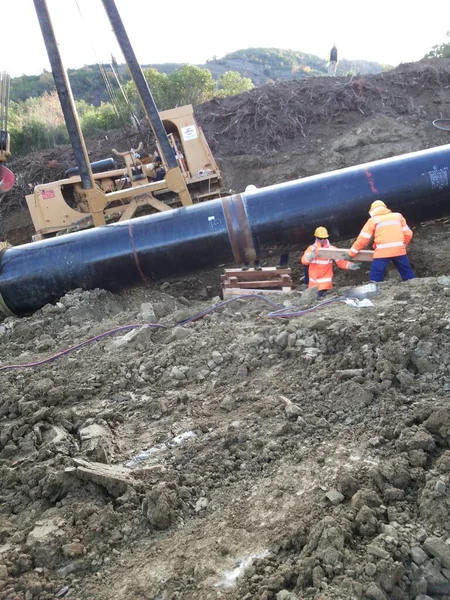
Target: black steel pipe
(233, 229)
(141, 83)
(98, 166)
(65, 95)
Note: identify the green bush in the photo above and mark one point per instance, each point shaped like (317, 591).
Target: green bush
(440, 50)
(232, 83)
(38, 123)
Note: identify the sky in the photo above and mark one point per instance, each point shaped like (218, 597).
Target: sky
(386, 31)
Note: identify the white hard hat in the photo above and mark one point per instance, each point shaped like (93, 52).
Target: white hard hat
(250, 188)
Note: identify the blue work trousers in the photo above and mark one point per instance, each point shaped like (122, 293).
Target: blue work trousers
(379, 266)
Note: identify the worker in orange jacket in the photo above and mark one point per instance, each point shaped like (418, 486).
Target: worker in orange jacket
(391, 235)
(321, 269)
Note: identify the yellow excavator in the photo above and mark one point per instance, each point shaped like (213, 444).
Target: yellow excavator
(61, 207)
(179, 171)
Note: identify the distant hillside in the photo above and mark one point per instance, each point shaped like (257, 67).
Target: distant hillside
(262, 65)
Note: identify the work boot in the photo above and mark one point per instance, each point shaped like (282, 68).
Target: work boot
(258, 265)
(246, 267)
(283, 261)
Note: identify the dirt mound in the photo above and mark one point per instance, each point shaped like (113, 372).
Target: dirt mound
(268, 118)
(239, 456)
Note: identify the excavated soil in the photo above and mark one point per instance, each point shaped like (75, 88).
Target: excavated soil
(240, 455)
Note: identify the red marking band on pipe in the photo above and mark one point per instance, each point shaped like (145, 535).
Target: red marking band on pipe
(135, 254)
(371, 181)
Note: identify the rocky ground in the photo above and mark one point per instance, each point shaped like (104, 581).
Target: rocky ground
(240, 456)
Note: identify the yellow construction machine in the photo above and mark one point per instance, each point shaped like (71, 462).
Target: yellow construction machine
(61, 207)
(180, 170)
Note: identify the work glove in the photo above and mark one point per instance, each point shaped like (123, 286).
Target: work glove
(354, 267)
(310, 255)
(347, 256)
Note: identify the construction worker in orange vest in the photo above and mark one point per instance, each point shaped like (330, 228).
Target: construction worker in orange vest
(391, 235)
(321, 269)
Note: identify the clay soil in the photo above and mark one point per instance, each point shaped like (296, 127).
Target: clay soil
(239, 456)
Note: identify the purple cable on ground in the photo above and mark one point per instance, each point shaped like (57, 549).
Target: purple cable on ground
(284, 314)
(96, 338)
(224, 303)
(280, 313)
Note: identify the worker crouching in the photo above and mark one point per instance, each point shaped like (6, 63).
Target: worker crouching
(391, 235)
(320, 270)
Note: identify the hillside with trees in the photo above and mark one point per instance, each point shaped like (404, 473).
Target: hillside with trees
(107, 99)
(261, 65)
(37, 122)
(266, 65)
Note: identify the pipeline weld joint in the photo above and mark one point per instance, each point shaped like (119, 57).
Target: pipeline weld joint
(238, 229)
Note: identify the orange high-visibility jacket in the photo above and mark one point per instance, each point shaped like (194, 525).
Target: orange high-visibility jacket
(321, 269)
(389, 231)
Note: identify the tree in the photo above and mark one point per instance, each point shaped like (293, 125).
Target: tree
(36, 123)
(440, 50)
(158, 84)
(232, 83)
(186, 85)
(159, 87)
(190, 85)
(99, 118)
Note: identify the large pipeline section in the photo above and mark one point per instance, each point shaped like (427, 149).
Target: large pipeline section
(234, 229)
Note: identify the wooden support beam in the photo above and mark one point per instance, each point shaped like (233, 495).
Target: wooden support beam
(338, 254)
(235, 281)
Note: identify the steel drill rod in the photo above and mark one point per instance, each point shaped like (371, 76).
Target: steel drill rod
(234, 229)
(141, 83)
(65, 95)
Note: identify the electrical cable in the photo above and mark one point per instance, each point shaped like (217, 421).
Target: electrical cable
(281, 312)
(96, 338)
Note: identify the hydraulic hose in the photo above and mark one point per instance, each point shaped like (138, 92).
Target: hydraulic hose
(442, 124)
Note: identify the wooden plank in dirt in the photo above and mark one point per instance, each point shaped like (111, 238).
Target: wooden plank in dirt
(338, 254)
(258, 284)
(266, 280)
(250, 275)
(232, 292)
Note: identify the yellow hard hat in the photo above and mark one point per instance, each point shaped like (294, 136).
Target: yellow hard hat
(321, 233)
(377, 204)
